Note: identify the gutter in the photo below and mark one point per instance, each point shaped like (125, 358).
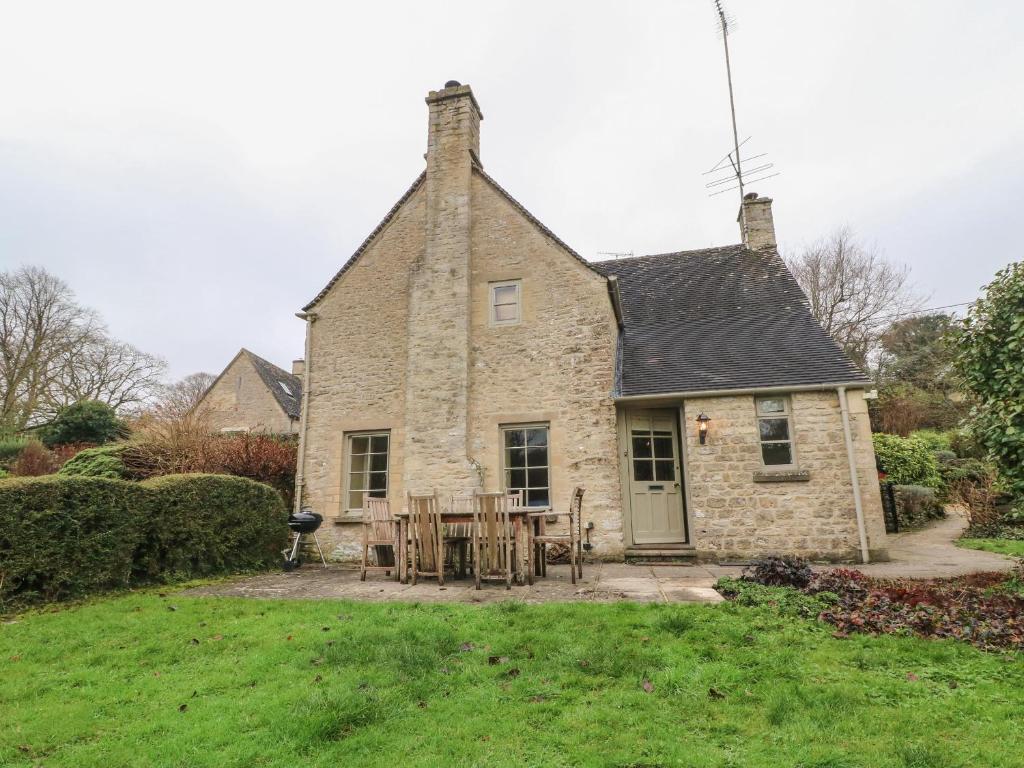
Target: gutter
(745, 391)
(300, 480)
(616, 297)
(850, 457)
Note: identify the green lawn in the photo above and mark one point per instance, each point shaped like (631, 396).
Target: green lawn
(999, 546)
(144, 680)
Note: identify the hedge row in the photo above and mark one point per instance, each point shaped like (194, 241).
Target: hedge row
(65, 537)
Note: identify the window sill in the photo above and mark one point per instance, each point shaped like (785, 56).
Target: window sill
(353, 516)
(782, 476)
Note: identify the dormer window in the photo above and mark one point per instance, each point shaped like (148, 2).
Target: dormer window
(506, 302)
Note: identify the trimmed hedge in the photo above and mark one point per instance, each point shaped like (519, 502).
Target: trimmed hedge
(63, 537)
(206, 524)
(102, 461)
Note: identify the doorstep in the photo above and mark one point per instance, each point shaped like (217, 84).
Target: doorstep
(660, 554)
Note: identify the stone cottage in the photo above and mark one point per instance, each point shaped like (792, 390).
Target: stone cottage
(254, 395)
(692, 394)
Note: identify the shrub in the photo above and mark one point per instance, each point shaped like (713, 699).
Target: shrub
(990, 347)
(10, 447)
(65, 536)
(916, 505)
(34, 460)
(205, 524)
(944, 457)
(4, 473)
(785, 600)
(906, 460)
(101, 461)
(965, 444)
(264, 458)
(779, 572)
(87, 421)
(839, 581)
(186, 445)
(934, 439)
(995, 530)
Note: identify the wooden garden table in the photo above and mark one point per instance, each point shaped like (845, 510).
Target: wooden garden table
(519, 517)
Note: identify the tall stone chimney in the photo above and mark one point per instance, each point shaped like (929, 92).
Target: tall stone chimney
(756, 224)
(437, 378)
(298, 367)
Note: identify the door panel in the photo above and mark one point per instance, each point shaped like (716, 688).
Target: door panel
(655, 477)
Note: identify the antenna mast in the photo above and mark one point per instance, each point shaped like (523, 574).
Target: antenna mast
(724, 22)
(732, 165)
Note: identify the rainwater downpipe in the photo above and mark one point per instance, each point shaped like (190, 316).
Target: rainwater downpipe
(300, 480)
(852, 459)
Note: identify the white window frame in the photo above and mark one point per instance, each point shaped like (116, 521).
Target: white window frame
(492, 302)
(787, 414)
(348, 490)
(506, 469)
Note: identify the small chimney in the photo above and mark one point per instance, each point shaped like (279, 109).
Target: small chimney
(298, 367)
(756, 223)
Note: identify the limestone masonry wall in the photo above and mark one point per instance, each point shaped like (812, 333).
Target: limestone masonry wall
(733, 517)
(556, 366)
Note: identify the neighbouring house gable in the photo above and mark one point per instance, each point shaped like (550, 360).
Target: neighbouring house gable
(719, 319)
(253, 394)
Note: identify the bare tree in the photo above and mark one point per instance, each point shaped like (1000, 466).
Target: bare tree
(113, 372)
(853, 291)
(180, 398)
(40, 324)
(54, 352)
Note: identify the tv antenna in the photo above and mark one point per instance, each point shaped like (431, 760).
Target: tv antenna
(732, 163)
(616, 254)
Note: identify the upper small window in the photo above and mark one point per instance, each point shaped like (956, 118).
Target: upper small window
(775, 431)
(505, 302)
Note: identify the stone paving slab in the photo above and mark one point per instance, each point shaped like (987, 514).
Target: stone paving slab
(925, 554)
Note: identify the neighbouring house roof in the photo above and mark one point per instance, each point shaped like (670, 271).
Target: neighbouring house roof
(718, 319)
(285, 387)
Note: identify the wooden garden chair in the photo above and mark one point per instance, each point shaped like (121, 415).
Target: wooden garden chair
(380, 531)
(493, 538)
(458, 537)
(426, 536)
(573, 538)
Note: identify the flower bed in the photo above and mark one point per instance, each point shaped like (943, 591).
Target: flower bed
(985, 610)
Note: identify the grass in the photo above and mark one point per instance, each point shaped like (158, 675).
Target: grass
(151, 680)
(999, 546)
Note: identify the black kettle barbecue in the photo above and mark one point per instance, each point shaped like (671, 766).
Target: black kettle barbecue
(302, 522)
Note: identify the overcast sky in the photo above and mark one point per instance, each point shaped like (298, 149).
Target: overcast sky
(198, 171)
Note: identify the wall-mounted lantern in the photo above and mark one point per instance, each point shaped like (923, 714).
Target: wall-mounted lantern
(702, 427)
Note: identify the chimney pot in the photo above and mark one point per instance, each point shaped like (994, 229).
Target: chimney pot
(452, 84)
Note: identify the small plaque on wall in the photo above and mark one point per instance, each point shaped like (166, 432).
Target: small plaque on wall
(782, 476)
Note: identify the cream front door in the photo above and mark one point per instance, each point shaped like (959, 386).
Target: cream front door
(655, 477)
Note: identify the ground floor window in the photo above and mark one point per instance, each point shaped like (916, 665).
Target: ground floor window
(775, 431)
(526, 462)
(367, 466)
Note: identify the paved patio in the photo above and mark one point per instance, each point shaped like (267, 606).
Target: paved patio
(929, 553)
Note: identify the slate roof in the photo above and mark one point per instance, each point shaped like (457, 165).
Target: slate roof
(719, 318)
(289, 396)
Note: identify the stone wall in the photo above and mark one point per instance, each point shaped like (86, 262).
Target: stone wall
(356, 368)
(731, 516)
(556, 366)
(239, 401)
